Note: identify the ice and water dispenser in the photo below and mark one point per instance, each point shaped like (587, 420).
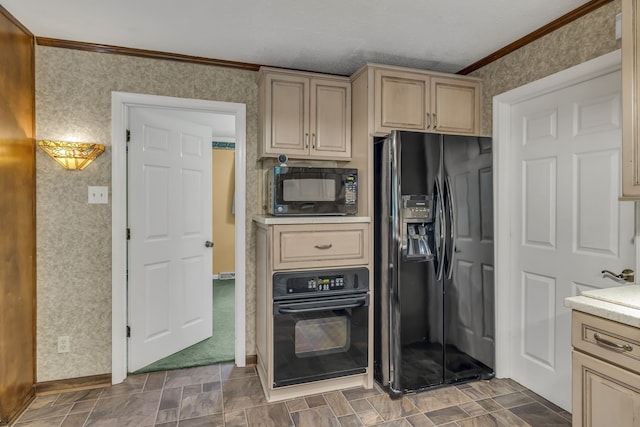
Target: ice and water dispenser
(417, 227)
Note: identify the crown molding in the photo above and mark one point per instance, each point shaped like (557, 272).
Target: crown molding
(535, 35)
(142, 53)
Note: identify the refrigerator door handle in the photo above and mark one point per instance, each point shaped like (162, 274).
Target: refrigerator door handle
(452, 220)
(440, 248)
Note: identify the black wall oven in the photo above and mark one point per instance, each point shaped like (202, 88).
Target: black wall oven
(320, 325)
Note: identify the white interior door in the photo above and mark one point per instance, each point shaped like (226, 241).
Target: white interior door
(169, 218)
(566, 224)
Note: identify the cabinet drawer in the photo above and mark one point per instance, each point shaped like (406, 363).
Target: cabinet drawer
(611, 341)
(313, 246)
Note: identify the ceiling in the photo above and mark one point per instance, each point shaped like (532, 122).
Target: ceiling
(331, 36)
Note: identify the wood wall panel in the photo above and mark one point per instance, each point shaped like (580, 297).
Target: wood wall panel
(17, 217)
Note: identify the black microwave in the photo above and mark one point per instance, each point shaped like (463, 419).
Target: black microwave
(311, 191)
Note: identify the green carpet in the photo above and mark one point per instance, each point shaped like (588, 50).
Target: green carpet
(219, 348)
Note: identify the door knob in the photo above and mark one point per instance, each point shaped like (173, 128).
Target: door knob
(627, 274)
(208, 244)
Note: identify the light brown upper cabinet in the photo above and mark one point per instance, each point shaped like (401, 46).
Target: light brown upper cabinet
(425, 102)
(401, 101)
(304, 115)
(630, 98)
(455, 106)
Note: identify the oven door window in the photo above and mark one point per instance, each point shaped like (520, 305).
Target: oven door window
(318, 337)
(318, 344)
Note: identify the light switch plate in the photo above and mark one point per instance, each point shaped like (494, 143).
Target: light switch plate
(618, 26)
(98, 194)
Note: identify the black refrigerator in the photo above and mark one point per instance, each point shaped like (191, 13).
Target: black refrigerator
(433, 266)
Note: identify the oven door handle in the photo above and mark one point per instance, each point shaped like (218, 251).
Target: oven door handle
(324, 306)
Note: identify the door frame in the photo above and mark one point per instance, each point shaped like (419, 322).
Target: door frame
(502, 184)
(120, 104)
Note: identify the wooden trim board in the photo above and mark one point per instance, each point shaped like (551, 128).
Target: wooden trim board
(72, 384)
(93, 381)
(142, 53)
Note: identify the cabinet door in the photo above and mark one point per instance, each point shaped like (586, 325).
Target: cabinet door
(330, 119)
(604, 395)
(455, 106)
(630, 99)
(287, 115)
(401, 101)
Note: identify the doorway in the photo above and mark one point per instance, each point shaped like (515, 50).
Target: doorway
(121, 103)
(558, 218)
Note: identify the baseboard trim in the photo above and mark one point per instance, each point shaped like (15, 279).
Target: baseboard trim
(72, 384)
(93, 381)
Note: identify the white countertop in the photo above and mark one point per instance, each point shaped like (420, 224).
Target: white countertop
(278, 220)
(620, 304)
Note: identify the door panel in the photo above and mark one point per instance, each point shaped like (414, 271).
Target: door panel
(169, 207)
(596, 231)
(539, 198)
(538, 308)
(565, 148)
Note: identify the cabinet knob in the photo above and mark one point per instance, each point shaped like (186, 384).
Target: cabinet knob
(208, 244)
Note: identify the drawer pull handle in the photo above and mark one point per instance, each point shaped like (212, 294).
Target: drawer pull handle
(329, 246)
(623, 347)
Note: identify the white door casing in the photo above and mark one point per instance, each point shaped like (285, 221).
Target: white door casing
(121, 103)
(169, 213)
(558, 218)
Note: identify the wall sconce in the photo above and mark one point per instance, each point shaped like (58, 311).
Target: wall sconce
(72, 155)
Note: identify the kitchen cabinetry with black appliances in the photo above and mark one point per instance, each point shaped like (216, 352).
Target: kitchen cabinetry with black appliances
(314, 325)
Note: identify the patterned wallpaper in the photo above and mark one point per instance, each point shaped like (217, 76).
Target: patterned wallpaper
(73, 102)
(586, 38)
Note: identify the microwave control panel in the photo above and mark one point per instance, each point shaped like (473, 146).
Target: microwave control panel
(351, 189)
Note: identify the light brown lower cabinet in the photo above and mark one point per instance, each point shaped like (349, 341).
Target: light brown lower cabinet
(304, 247)
(606, 372)
(604, 395)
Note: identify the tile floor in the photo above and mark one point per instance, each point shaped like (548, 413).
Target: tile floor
(226, 396)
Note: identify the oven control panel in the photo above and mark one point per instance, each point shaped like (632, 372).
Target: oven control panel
(315, 284)
(320, 282)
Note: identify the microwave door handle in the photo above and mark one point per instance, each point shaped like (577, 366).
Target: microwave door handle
(324, 306)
